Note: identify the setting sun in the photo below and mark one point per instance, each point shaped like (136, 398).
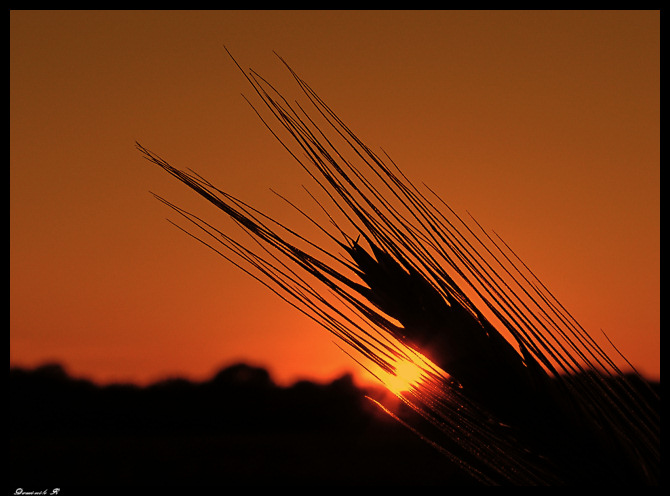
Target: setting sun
(411, 370)
(407, 375)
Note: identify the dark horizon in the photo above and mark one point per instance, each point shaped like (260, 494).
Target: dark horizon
(237, 428)
(58, 368)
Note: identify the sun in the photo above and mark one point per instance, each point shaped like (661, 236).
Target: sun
(407, 375)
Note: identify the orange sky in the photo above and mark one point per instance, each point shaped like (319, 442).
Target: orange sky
(544, 125)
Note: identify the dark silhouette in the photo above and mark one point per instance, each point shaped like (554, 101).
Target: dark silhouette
(514, 390)
(238, 428)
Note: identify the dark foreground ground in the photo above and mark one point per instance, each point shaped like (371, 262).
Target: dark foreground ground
(238, 429)
(69, 436)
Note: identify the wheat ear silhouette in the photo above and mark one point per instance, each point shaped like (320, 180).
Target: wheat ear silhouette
(512, 389)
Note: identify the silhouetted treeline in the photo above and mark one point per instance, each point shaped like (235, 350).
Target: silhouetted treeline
(238, 398)
(238, 428)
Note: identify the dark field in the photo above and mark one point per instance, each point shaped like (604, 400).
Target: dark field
(238, 429)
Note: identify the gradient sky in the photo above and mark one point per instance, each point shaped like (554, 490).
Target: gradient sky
(544, 125)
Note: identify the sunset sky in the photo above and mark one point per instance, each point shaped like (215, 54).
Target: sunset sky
(545, 125)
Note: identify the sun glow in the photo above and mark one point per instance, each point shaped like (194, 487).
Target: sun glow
(410, 372)
(407, 376)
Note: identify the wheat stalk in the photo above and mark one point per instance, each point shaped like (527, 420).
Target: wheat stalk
(513, 389)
